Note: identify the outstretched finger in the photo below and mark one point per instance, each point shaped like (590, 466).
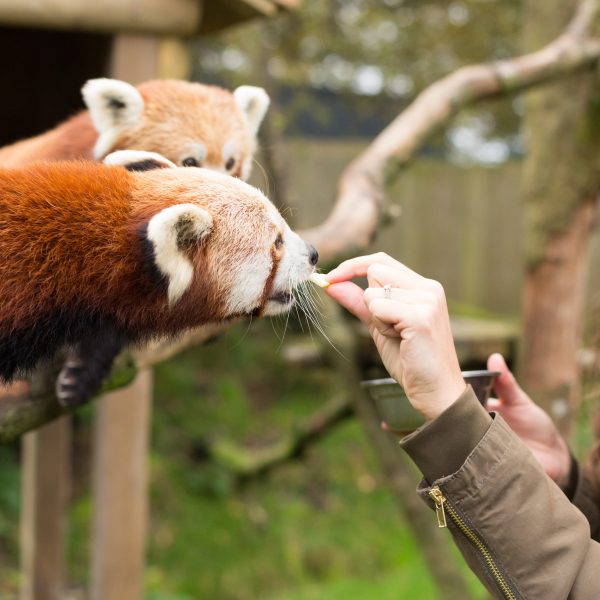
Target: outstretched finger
(358, 267)
(380, 275)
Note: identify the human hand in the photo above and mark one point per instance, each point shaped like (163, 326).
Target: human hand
(410, 328)
(530, 422)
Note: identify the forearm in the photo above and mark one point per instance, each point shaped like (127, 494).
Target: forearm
(514, 526)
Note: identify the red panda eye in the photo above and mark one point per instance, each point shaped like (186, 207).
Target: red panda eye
(279, 242)
(190, 161)
(230, 164)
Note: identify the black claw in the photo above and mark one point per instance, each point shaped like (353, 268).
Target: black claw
(86, 367)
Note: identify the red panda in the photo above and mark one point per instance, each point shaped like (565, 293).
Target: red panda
(100, 256)
(191, 124)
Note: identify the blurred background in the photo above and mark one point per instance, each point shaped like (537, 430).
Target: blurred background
(263, 481)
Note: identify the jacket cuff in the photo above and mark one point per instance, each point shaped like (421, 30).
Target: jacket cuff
(584, 494)
(574, 481)
(440, 447)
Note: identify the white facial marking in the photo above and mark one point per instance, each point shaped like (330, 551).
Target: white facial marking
(195, 150)
(165, 231)
(230, 150)
(249, 282)
(113, 105)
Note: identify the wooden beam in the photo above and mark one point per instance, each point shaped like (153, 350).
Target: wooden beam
(288, 4)
(160, 17)
(218, 15)
(120, 491)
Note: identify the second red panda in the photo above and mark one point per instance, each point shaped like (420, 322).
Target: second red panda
(191, 124)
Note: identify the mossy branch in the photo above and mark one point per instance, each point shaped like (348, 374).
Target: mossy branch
(25, 408)
(357, 212)
(247, 463)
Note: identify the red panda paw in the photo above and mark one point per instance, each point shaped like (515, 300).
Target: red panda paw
(86, 367)
(71, 383)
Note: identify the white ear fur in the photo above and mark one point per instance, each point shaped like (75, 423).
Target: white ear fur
(113, 105)
(253, 102)
(168, 230)
(138, 160)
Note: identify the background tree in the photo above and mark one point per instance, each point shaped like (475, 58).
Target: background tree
(561, 180)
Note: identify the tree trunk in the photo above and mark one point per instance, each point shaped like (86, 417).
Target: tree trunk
(560, 183)
(553, 305)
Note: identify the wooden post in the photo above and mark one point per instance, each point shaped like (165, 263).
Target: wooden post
(122, 426)
(45, 488)
(120, 491)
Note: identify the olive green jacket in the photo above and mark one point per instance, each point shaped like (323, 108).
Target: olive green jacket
(518, 531)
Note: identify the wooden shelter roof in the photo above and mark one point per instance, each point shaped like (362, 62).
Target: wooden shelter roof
(159, 17)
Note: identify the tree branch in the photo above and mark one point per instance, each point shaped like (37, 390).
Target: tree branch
(24, 407)
(357, 212)
(245, 463)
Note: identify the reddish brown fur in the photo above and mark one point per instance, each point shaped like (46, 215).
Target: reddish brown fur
(73, 139)
(174, 111)
(70, 236)
(177, 110)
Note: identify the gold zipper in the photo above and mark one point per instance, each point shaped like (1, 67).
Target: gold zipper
(441, 508)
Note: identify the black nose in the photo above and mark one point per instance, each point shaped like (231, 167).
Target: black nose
(313, 255)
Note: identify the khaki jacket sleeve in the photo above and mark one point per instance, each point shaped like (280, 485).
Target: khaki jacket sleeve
(515, 527)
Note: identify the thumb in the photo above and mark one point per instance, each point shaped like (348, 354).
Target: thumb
(351, 297)
(505, 385)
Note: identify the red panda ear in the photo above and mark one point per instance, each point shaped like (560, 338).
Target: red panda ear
(253, 102)
(138, 160)
(169, 232)
(113, 105)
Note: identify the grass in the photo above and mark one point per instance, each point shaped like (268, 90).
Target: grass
(322, 527)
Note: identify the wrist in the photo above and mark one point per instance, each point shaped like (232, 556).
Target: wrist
(433, 405)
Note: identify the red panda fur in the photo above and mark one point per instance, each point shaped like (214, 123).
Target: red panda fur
(72, 256)
(173, 108)
(174, 111)
(73, 139)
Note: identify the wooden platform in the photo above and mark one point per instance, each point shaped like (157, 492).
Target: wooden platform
(160, 17)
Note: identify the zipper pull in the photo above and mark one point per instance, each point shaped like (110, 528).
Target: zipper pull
(436, 495)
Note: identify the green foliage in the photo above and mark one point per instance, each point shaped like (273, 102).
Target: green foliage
(367, 48)
(10, 497)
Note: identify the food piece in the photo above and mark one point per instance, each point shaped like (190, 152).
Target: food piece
(320, 280)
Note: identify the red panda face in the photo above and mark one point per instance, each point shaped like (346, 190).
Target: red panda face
(191, 124)
(218, 241)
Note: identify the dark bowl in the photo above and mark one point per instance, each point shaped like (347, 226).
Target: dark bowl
(393, 406)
